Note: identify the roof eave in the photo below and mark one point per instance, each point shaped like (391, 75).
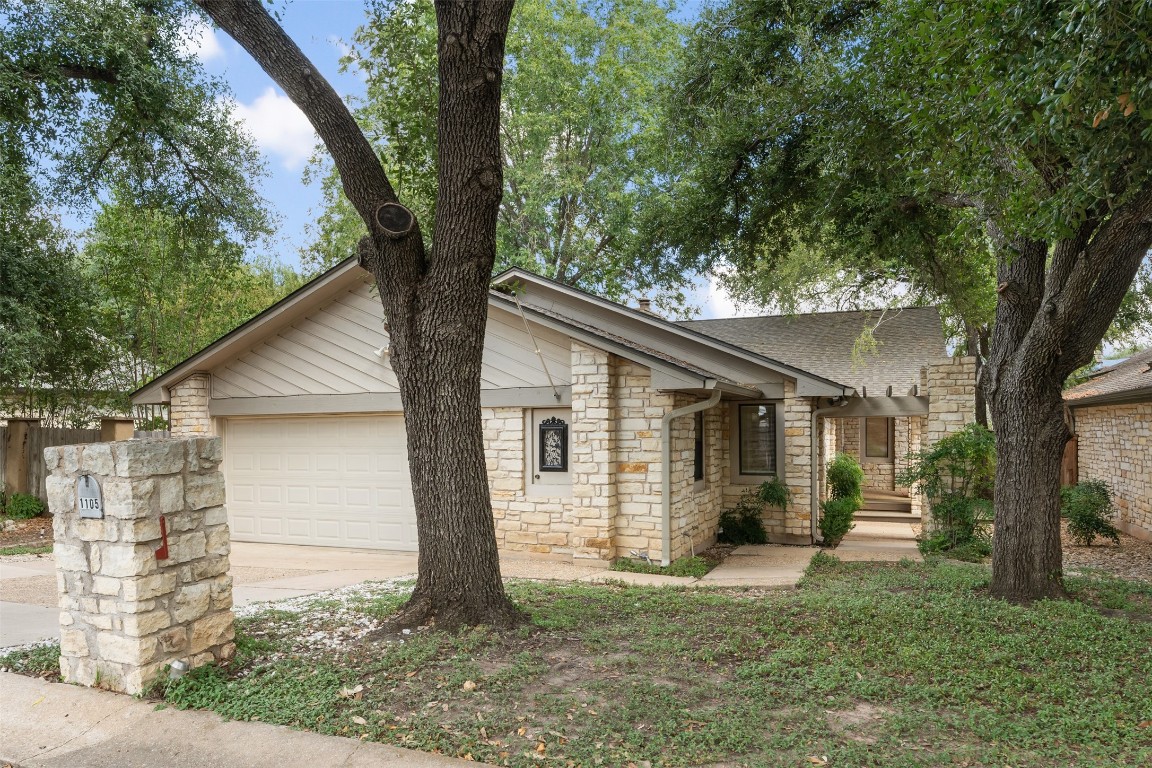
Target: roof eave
(814, 385)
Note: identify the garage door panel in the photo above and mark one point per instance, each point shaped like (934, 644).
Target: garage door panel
(336, 481)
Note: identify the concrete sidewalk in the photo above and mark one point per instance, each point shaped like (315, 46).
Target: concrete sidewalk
(52, 724)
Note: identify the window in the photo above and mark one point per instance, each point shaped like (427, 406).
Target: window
(553, 445)
(698, 448)
(757, 439)
(877, 439)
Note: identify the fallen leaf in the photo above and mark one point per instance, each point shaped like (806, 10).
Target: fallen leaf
(540, 747)
(469, 685)
(359, 720)
(1144, 724)
(346, 693)
(521, 731)
(818, 759)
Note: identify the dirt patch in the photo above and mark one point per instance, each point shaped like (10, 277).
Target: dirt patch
(858, 723)
(36, 532)
(1132, 559)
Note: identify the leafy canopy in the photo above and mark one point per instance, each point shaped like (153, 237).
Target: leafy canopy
(578, 133)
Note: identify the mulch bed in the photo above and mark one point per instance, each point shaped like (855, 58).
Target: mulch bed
(36, 532)
(1132, 559)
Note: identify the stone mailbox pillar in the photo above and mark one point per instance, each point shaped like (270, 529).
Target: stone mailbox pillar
(147, 583)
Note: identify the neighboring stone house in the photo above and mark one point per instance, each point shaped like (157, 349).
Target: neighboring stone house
(609, 430)
(1111, 416)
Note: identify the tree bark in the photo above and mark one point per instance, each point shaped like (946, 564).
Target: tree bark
(436, 302)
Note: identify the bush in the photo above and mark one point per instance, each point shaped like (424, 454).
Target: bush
(957, 476)
(23, 506)
(846, 479)
(836, 520)
(744, 523)
(1088, 507)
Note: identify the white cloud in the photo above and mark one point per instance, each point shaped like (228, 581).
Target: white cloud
(715, 302)
(200, 39)
(279, 127)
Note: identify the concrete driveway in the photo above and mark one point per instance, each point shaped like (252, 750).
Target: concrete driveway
(260, 572)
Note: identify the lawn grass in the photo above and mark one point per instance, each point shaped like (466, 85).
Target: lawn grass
(25, 550)
(867, 664)
(695, 567)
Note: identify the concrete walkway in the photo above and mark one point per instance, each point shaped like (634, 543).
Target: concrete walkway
(44, 725)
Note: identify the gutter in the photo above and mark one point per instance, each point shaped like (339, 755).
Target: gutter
(815, 493)
(666, 467)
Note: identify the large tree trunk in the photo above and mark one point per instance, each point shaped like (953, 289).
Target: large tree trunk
(1055, 304)
(1030, 437)
(436, 303)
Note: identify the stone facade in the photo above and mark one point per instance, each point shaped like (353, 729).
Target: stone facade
(188, 411)
(951, 386)
(1114, 444)
(125, 614)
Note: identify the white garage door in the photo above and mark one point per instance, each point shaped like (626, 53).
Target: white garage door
(338, 481)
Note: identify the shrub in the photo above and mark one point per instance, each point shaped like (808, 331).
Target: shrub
(846, 479)
(1088, 507)
(957, 475)
(836, 520)
(23, 506)
(744, 523)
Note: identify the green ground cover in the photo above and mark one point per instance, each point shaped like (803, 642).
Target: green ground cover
(863, 665)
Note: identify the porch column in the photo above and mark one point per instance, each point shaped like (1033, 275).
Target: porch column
(951, 397)
(593, 459)
(797, 468)
(188, 411)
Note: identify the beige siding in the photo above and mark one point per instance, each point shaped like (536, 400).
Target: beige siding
(332, 351)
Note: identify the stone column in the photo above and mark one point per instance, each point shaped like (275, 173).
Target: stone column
(125, 611)
(112, 430)
(796, 464)
(17, 478)
(593, 458)
(951, 397)
(188, 411)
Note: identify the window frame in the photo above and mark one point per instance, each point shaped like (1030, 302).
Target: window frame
(736, 476)
(890, 458)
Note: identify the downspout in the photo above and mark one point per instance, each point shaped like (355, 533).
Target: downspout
(666, 469)
(840, 401)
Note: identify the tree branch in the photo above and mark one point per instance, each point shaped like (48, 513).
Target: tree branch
(362, 176)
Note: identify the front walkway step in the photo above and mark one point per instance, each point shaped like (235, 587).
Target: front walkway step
(886, 516)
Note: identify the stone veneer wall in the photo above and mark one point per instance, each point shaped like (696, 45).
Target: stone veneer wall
(188, 411)
(124, 614)
(1114, 444)
(908, 438)
(951, 386)
(614, 504)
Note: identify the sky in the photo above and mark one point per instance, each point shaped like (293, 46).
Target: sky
(322, 28)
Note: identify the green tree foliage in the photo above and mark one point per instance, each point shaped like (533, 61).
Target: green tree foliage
(941, 143)
(166, 290)
(102, 95)
(578, 134)
(104, 104)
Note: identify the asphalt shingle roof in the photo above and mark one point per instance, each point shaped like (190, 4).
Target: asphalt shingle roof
(1129, 376)
(822, 343)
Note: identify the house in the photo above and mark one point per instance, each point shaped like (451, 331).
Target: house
(609, 430)
(1111, 417)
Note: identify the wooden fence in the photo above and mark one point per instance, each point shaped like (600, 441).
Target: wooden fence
(30, 471)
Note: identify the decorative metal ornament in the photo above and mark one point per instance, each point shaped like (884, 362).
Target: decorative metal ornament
(554, 445)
